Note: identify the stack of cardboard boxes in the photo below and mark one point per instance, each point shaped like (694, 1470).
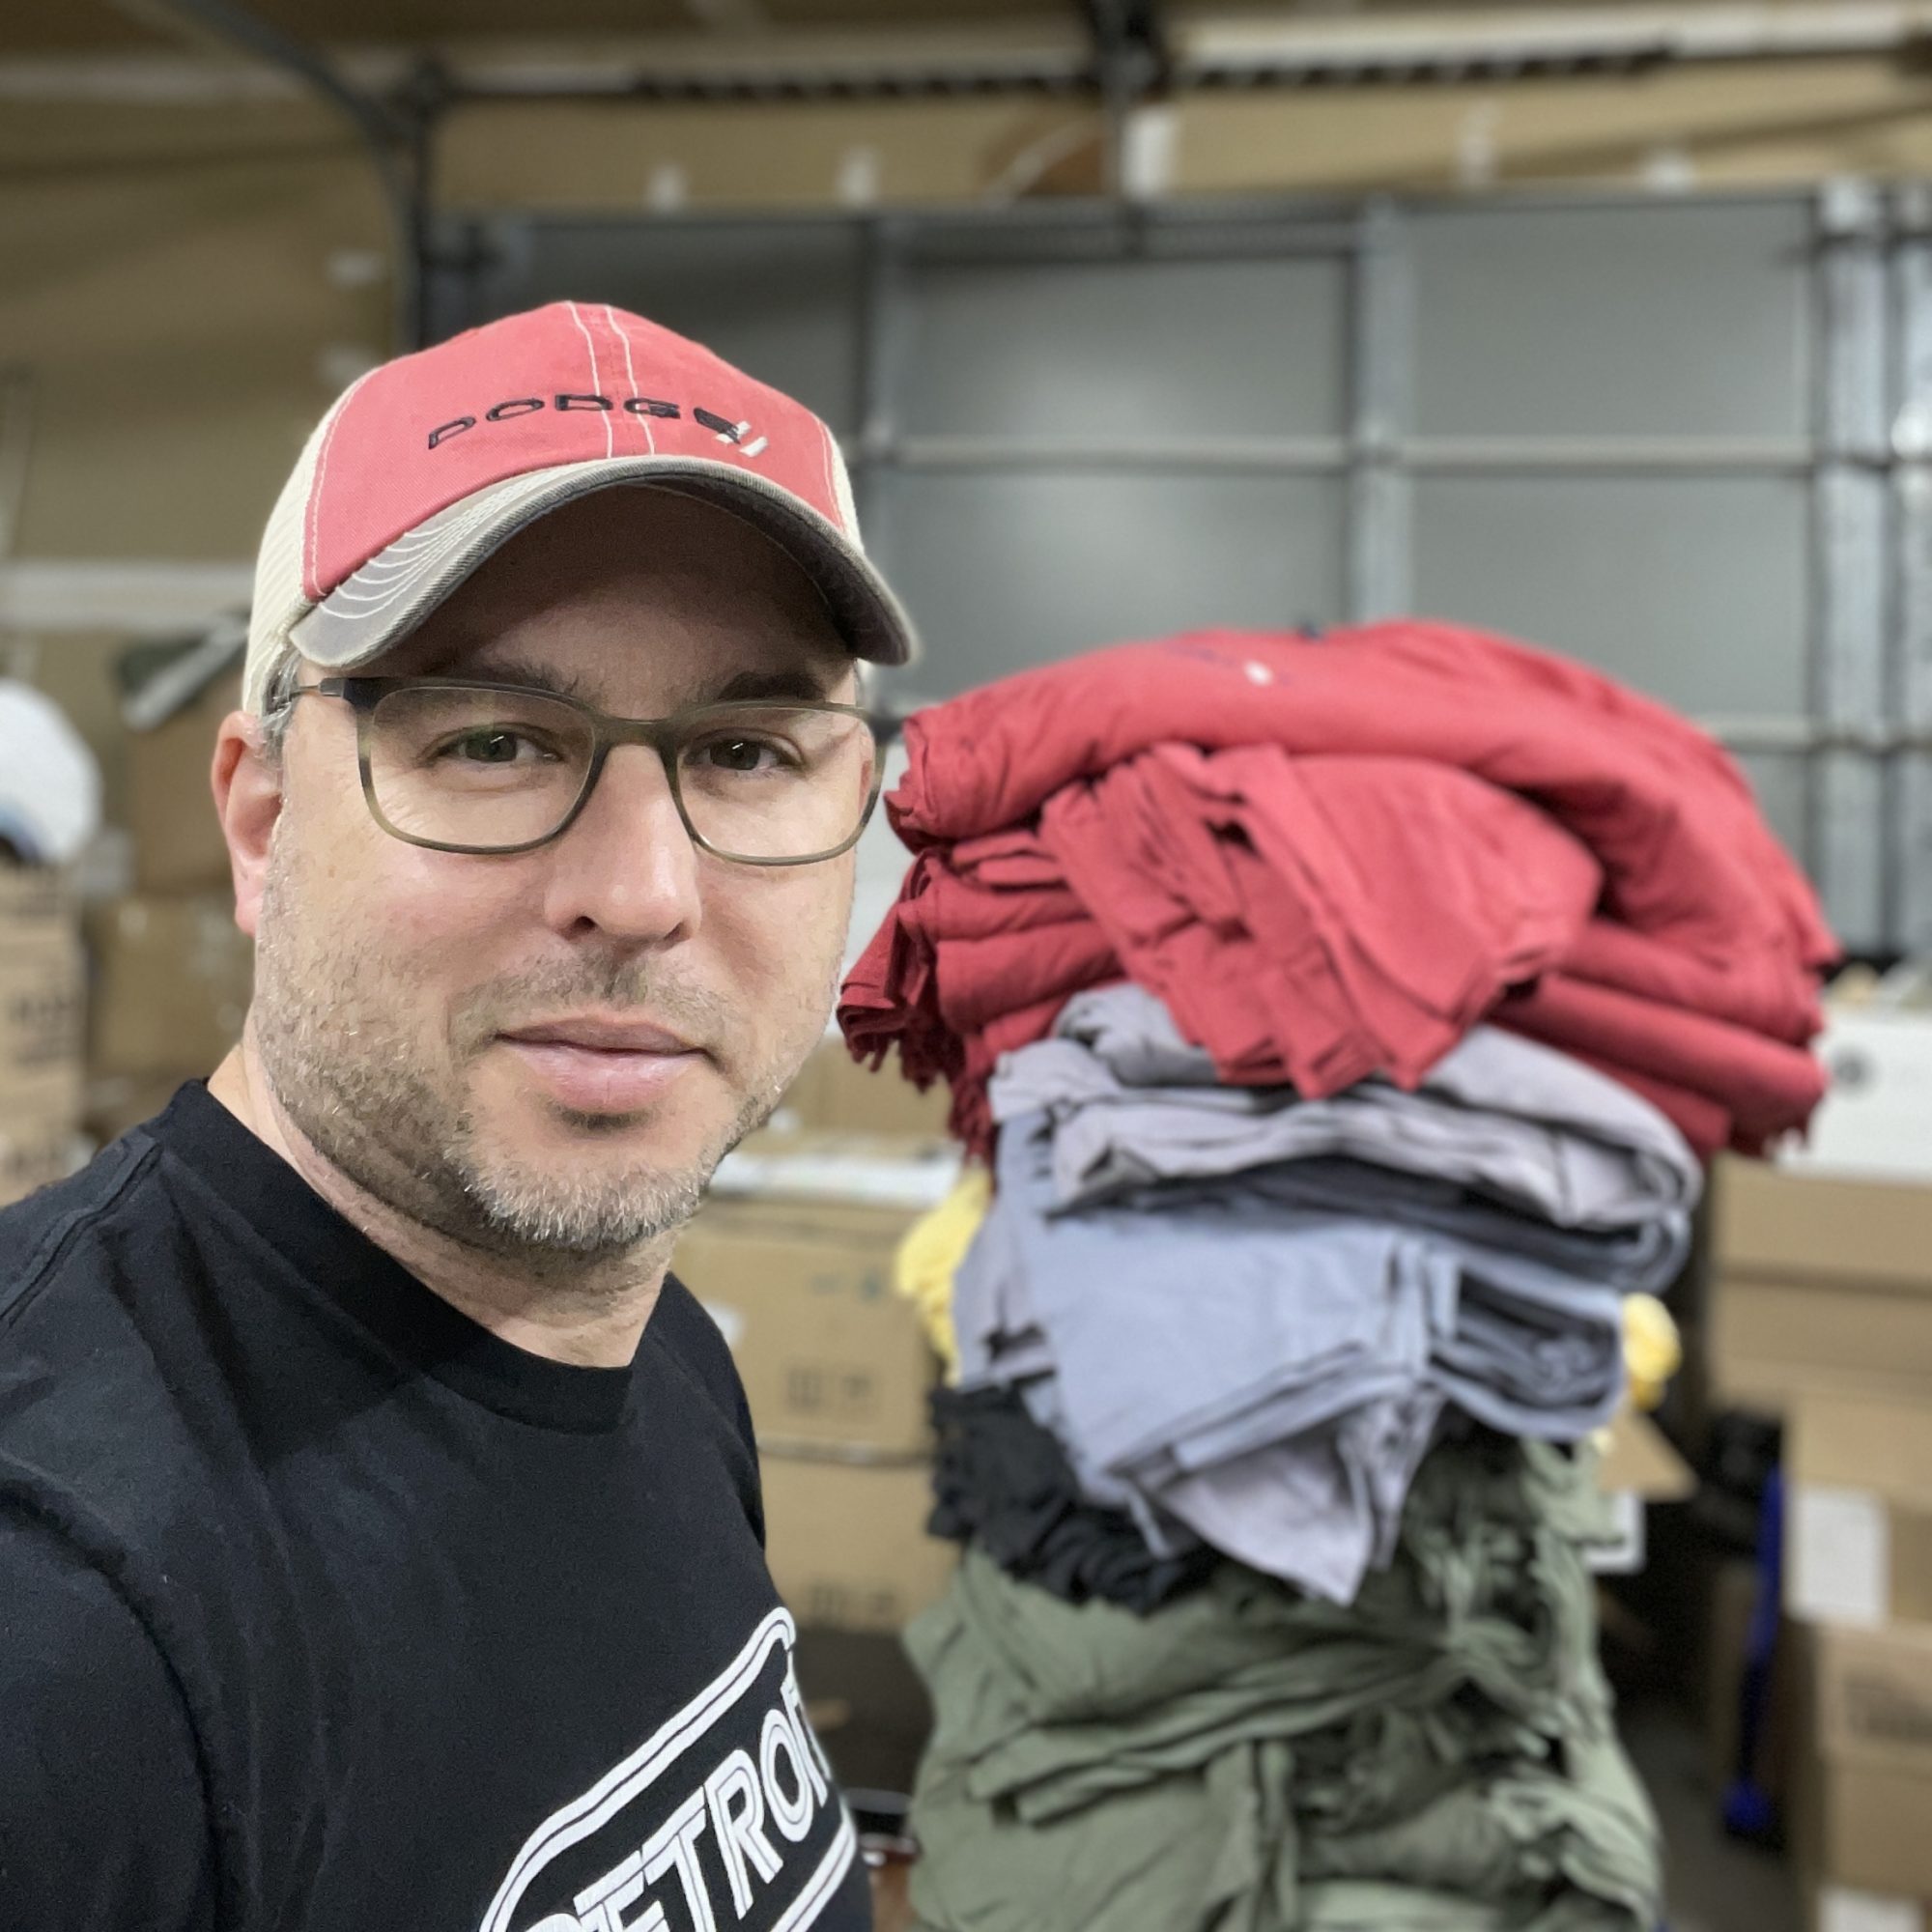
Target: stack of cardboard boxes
(793, 1256)
(42, 985)
(172, 971)
(1821, 1314)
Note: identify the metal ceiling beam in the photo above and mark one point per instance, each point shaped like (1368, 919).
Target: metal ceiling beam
(1194, 52)
(729, 16)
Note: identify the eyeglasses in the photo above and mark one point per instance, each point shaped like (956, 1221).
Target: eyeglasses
(466, 767)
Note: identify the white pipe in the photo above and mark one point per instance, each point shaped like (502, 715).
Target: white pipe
(1422, 44)
(145, 596)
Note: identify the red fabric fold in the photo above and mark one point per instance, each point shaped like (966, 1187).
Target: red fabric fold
(1331, 859)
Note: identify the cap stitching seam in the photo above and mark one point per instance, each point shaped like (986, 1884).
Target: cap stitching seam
(630, 376)
(596, 380)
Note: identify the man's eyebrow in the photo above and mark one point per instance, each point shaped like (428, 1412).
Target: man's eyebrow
(805, 686)
(491, 667)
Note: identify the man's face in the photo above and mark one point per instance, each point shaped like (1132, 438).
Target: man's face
(468, 1037)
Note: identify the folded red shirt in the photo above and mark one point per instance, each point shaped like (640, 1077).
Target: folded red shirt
(1404, 828)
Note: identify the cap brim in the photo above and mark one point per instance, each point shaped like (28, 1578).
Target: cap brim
(377, 606)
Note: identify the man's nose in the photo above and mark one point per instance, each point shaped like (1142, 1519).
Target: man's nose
(627, 868)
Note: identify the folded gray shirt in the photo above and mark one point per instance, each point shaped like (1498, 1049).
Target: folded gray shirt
(1264, 1374)
(1508, 1118)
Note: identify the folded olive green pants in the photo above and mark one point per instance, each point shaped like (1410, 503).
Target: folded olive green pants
(1438, 1757)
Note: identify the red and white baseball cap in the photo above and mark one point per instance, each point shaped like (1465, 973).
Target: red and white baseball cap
(428, 464)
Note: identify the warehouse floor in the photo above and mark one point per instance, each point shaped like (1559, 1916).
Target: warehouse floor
(1715, 1883)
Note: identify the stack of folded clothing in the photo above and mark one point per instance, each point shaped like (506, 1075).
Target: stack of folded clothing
(1342, 1021)
(1243, 1313)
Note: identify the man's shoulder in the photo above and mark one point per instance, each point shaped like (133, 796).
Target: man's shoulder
(683, 1328)
(93, 1346)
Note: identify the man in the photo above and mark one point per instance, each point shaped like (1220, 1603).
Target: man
(379, 1530)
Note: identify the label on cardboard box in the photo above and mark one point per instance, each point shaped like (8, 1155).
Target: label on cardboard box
(35, 901)
(1876, 1117)
(42, 989)
(1627, 1550)
(1875, 1694)
(1839, 1562)
(1843, 1910)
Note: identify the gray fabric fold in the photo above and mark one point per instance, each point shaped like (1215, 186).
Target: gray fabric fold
(1505, 1119)
(1264, 1374)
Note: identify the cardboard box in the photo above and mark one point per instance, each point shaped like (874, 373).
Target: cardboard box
(847, 1542)
(42, 988)
(1774, 1224)
(1820, 1283)
(835, 1094)
(174, 977)
(178, 842)
(1771, 1339)
(829, 1353)
(1858, 1502)
(1639, 1460)
(1870, 1798)
(855, 1170)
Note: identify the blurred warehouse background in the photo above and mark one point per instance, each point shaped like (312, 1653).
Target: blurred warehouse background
(1605, 326)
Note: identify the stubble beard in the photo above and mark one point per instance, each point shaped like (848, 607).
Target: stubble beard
(351, 1080)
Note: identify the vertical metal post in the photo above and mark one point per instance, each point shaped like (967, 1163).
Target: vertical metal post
(884, 323)
(1911, 841)
(1382, 347)
(1848, 511)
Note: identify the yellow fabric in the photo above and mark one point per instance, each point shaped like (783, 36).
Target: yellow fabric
(929, 1256)
(1652, 1351)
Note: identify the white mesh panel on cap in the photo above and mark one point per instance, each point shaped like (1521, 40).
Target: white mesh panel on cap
(278, 564)
(841, 488)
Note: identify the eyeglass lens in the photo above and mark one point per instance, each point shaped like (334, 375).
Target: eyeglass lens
(489, 769)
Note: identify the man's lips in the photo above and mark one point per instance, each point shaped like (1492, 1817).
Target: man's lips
(595, 1065)
(605, 1035)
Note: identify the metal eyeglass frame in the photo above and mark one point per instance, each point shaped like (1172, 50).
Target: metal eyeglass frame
(664, 735)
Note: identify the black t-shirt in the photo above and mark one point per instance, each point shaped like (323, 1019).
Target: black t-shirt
(323, 1607)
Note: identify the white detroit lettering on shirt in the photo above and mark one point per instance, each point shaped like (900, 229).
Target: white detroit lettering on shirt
(742, 1841)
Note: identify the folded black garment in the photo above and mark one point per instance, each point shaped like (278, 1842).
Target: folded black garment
(1002, 1481)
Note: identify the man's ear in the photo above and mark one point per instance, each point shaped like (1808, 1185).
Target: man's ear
(247, 780)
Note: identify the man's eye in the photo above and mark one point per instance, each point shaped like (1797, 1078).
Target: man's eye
(738, 754)
(491, 748)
